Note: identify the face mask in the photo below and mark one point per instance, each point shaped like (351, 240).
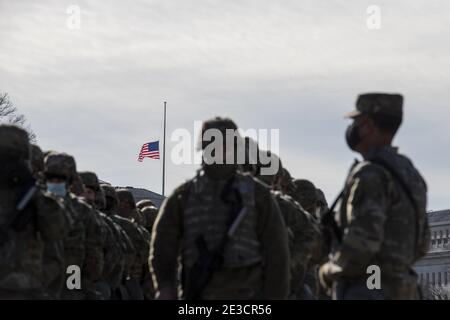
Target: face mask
(58, 189)
(352, 136)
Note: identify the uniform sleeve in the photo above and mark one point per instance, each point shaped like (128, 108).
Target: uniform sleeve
(306, 234)
(274, 241)
(165, 245)
(366, 215)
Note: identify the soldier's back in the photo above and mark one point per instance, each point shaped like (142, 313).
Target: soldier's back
(24, 238)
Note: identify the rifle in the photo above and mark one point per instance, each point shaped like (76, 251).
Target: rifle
(209, 261)
(331, 229)
(24, 216)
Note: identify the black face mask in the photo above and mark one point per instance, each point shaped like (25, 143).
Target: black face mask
(352, 136)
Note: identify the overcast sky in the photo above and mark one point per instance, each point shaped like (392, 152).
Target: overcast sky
(97, 92)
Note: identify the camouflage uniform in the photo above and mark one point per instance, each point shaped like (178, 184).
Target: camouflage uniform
(127, 218)
(114, 252)
(53, 257)
(150, 213)
(126, 256)
(381, 225)
(110, 248)
(23, 233)
(63, 166)
(306, 194)
(141, 271)
(255, 260)
(302, 229)
(304, 234)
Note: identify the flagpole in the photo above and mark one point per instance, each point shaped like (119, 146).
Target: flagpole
(164, 151)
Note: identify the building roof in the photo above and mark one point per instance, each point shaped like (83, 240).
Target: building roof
(141, 194)
(438, 216)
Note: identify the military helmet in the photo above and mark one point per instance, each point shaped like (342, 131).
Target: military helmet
(14, 141)
(125, 195)
(381, 104)
(144, 203)
(61, 165)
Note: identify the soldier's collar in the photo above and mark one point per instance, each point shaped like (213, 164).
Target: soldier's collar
(377, 150)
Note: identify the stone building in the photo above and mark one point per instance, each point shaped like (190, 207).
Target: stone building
(434, 268)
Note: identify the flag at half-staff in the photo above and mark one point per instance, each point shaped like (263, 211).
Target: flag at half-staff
(149, 150)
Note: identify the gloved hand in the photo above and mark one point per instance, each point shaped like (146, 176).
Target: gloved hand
(328, 273)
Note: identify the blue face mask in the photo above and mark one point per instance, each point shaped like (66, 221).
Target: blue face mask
(58, 189)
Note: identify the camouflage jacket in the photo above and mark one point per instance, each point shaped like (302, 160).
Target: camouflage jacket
(22, 246)
(93, 241)
(381, 226)
(268, 279)
(304, 233)
(112, 248)
(138, 243)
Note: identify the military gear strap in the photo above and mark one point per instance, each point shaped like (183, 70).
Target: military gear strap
(332, 229)
(406, 190)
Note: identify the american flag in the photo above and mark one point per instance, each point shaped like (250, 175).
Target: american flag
(149, 150)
